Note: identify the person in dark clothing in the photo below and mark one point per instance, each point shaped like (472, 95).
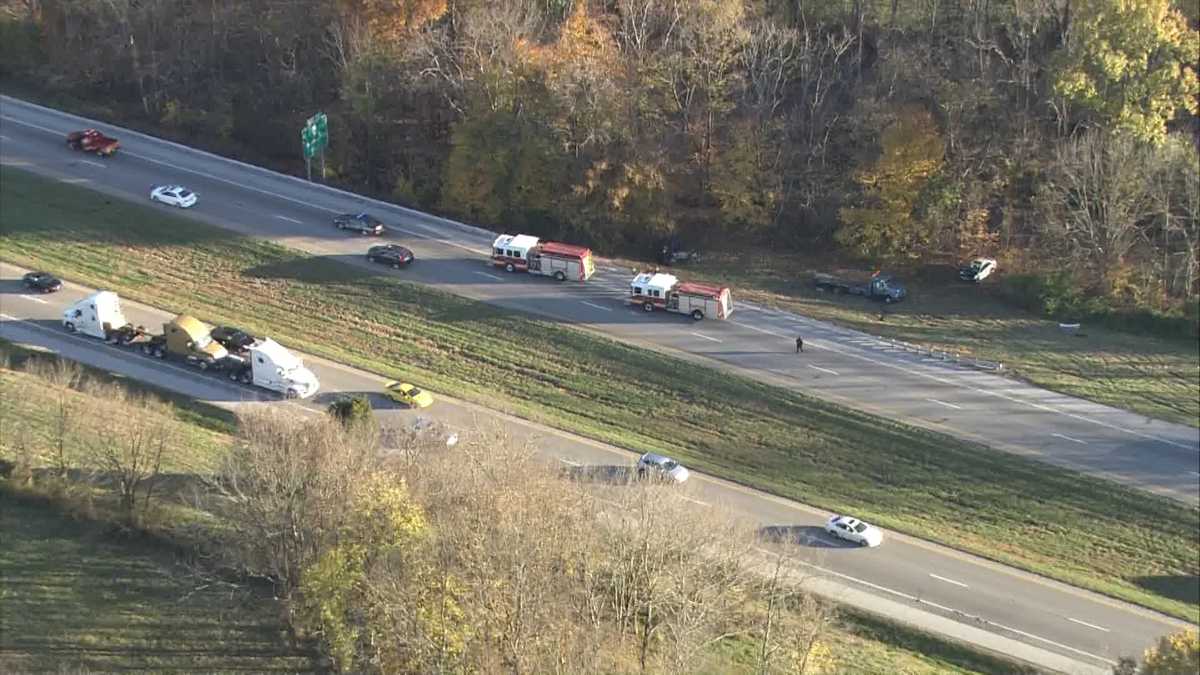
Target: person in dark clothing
(799, 344)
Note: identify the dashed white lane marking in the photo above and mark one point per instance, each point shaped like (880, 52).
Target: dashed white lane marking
(30, 297)
(919, 601)
(1013, 399)
(823, 370)
(91, 163)
(290, 220)
(701, 335)
(1089, 625)
(599, 307)
(74, 180)
(949, 581)
(568, 462)
(490, 276)
(694, 501)
(3, 137)
(948, 405)
(1068, 438)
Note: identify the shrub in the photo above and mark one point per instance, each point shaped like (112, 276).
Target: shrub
(351, 410)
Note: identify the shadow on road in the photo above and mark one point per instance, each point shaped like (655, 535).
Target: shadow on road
(606, 474)
(799, 535)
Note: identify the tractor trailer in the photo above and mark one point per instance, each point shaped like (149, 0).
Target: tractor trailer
(264, 363)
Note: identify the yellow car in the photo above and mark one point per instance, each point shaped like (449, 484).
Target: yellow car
(409, 395)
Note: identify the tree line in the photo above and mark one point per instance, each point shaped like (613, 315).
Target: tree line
(1057, 135)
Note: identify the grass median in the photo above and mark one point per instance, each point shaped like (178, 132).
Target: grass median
(1077, 529)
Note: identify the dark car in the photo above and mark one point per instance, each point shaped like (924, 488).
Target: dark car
(233, 339)
(673, 252)
(390, 254)
(363, 223)
(42, 281)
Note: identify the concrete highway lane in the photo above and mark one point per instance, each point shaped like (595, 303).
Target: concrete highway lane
(840, 364)
(941, 590)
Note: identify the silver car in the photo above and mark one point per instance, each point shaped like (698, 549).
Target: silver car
(661, 468)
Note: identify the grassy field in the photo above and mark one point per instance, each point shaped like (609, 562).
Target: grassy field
(1000, 506)
(136, 594)
(75, 599)
(1151, 375)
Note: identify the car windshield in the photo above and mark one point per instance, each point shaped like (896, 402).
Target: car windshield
(860, 527)
(977, 265)
(414, 392)
(185, 194)
(203, 341)
(669, 465)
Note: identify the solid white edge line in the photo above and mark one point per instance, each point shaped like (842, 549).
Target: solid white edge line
(600, 307)
(701, 335)
(919, 601)
(90, 162)
(1073, 440)
(569, 462)
(694, 501)
(823, 370)
(948, 405)
(1089, 625)
(949, 581)
(290, 220)
(462, 225)
(490, 276)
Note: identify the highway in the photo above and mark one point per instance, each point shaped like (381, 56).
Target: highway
(839, 364)
(944, 591)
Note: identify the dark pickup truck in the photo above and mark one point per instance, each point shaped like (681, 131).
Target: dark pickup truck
(877, 287)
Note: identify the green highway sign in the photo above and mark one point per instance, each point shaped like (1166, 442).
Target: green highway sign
(314, 137)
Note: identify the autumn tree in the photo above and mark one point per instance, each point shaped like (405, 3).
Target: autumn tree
(129, 453)
(1135, 79)
(911, 151)
(382, 526)
(287, 486)
(1097, 197)
(1175, 654)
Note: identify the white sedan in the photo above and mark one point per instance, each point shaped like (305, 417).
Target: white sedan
(175, 195)
(854, 530)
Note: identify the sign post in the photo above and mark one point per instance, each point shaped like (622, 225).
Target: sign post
(314, 138)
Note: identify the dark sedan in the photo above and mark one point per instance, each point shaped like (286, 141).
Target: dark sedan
(233, 339)
(390, 254)
(42, 282)
(363, 223)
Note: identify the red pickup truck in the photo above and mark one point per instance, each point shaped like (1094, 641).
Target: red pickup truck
(90, 140)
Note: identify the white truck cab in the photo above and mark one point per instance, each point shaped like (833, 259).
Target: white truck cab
(97, 315)
(273, 367)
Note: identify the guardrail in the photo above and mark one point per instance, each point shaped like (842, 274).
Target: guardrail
(950, 357)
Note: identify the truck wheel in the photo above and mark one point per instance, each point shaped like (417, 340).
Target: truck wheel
(245, 378)
(69, 326)
(887, 299)
(396, 265)
(560, 276)
(648, 306)
(159, 353)
(202, 364)
(291, 394)
(697, 314)
(510, 268)
(233, 375)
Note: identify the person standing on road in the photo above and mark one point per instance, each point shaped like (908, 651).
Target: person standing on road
(799, 344)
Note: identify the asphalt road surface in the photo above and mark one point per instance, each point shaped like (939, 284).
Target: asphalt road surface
(839, 364)
(941, 590)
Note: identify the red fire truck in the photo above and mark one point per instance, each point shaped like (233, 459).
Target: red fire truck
(550, 259)
(653, 290)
